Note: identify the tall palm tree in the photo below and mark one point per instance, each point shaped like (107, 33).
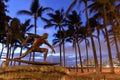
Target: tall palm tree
(36, 11)
(57, 20)
(57, 41)
(71, 38)
(4, 19)
(16, 35)
(102, 7)
(71, 6)
(74, 20)
(91, 37)
(107, 39)
(24, 28)
(114, 39)
(114, 21)
(92, 40)
(95, 24)
(84, 35)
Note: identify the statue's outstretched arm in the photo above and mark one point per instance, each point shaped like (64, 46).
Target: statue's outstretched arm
(50, 46)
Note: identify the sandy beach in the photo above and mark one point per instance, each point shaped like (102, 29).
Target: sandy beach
(91, 75)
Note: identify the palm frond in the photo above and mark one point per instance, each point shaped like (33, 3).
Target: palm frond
(71, 6)
(24, 12)
(34, 6)
(31, 26)
(48, 25)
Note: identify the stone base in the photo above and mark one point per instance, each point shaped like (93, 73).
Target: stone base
(33, 73)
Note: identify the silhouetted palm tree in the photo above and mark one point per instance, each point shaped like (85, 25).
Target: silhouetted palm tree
(102, 7)
(36, 11)
(71, 38)
(114, 21)
(4, 19)
(84, 35)
(114, 39)
(91, 37)
(24, 28)
(15, 35)
(92, 40)
(74, 20)
(97, 26)
(57, 20)
(57, 41)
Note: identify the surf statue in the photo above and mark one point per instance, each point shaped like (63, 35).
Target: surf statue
(38, 41)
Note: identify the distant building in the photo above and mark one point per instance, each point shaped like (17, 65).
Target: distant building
(105, 64)
(116, 63)
(89, 63)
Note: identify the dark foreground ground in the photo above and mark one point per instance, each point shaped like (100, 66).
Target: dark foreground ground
(55, 73)
(91, 75)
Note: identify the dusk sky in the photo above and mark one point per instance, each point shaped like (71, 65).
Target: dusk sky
(15, 5)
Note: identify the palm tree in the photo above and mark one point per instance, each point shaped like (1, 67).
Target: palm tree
(4, 19)
(74, 3)
(71, 6)
(114, 21)
(95, 24)
(24, 28)
(71, 38)
(114, 39)
(84, 35)
(35, 11)
(57, 20)
(92, 40)
(74, 20)
(107, 37)
(103, 11)
(16, 35)
(57, 41)
(91, 37)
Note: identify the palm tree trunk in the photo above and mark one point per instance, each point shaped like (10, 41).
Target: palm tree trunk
(35, 24)
(60, 46)
(87, 54)
(8, 43)
(60, 55)
(12, 54)
(92, 40)
(107, 39)
(95, 55)
(100, 53)
(76, 56)
(2, 51)
(79, 50)
(64, 54)
(109, 52)
(117, 49)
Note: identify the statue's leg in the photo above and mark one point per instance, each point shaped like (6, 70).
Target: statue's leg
(26, 53)
(45, 50)
(45, 54)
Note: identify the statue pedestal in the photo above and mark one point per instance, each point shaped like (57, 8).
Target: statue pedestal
(34, 72)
